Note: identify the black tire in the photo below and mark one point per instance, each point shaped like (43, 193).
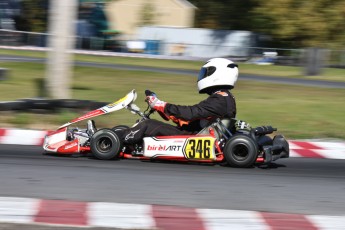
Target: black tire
(240, 151)
(105, 144)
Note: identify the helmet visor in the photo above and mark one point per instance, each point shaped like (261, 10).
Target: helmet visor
(205, 72)
(202, 73)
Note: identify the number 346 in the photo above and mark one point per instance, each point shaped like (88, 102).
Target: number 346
(198, 149)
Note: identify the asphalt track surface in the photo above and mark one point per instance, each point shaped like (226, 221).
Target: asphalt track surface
(251, 77)
(294, 185)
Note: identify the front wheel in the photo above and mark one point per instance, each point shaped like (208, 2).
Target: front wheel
(105, 144)
(240, 151)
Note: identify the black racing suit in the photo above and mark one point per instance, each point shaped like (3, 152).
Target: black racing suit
(189, 119)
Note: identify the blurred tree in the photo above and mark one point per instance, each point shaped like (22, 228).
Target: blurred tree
(224, 14)
(147, 14)
(34, 15)
(302, 23)
(99, 19)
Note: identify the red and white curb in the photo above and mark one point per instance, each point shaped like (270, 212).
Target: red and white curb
(317, 149)
(298, 148)
(139, 216)
(22, 137)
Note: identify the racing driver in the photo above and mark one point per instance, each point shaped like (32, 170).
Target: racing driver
(216, 77)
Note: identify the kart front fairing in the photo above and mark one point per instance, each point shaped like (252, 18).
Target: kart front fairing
(57, 141)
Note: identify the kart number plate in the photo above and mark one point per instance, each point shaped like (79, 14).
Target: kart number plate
(197, 148)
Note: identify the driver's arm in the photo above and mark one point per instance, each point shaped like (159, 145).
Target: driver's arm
(214, 106)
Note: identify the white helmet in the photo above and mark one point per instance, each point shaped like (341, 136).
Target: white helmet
(217, 73)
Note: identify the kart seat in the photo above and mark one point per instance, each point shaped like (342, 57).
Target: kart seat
(220, 127)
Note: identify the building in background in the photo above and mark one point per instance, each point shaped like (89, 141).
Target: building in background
(142, 26)
(127, 15)
(199, 42)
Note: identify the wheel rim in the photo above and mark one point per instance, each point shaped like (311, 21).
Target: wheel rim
(240, 152)
(104, 144)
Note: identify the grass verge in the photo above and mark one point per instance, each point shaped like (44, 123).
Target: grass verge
(328, 74)
(297, 111)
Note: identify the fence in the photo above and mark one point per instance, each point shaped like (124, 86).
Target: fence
(333, 58)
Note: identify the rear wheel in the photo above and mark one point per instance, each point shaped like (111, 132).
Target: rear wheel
(105, 144)
(240, 151)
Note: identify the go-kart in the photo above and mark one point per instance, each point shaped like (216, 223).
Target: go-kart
(230, 142)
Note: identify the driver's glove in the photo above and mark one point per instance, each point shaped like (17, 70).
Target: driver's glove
(155, 103)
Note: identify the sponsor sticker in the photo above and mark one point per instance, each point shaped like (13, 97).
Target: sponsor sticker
(164, 147)
(117, 102)
(74, 144)
(199, 148)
